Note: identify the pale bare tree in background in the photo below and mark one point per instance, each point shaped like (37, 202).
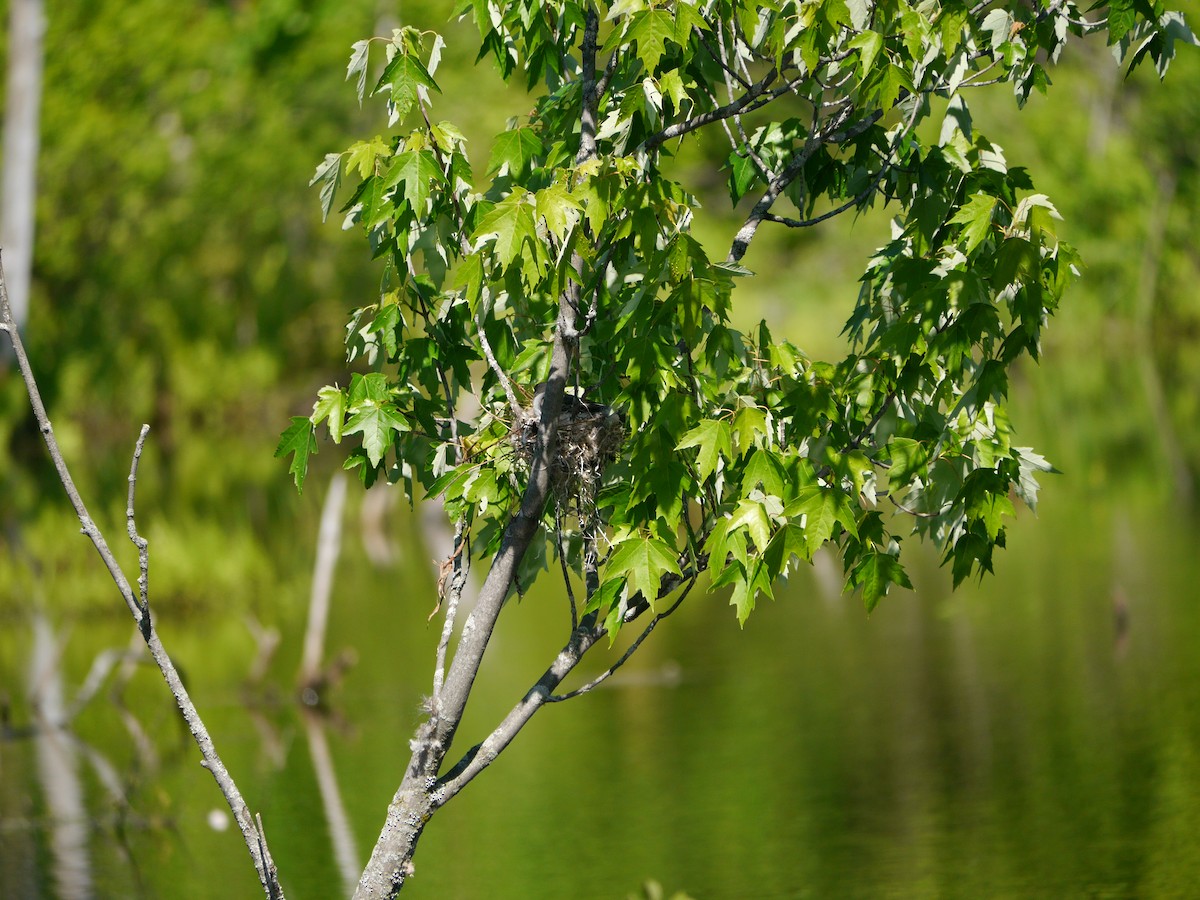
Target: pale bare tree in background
(22, 100)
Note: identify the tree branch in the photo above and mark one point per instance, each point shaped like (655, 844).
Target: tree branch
(595, 682)
(137, 540)
(514, 404)
(884, 168)
(251, 826)
(566, 572)
(833, 133)
(461, 566)
(721, 112)
(483, 754)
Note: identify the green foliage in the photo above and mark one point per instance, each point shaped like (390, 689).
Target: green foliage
(739, 454)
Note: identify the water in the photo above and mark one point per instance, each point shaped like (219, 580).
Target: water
(1036, 735)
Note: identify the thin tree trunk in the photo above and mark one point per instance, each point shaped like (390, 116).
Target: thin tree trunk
(27, 23)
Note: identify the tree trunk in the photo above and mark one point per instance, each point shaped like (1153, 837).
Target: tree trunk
(27, 23)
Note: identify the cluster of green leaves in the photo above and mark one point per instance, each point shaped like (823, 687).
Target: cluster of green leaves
(742, 456)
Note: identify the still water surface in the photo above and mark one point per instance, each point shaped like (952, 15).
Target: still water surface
(1034, 736)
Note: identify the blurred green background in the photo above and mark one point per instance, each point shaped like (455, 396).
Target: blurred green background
(1035, 735)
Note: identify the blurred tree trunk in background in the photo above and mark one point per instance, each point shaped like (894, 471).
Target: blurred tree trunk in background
(27, 24)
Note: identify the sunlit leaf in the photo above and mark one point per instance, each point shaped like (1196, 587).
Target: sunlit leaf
(299, 441)
(643, 561)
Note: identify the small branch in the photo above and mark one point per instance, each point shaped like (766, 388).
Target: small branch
(720, 57)
(721, 112)
(274, 890)
(514, 404)
(461, 564)
(759, 164)
(138, 541)
(591, 556)
(566, 573)
(638, 604)
(595, 682)
(609, 69)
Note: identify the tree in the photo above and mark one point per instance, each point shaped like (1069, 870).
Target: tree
(552, 350)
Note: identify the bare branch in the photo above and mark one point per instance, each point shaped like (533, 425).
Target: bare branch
(251, 829)
(595, 682)
(461, 563)
(138, 541)
(566, 573)
(514, 404)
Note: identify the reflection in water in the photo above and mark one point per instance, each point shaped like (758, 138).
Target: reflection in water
(341, 833)
(58, 769)
(989, 743)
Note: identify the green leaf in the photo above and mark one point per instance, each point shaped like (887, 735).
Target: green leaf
(511, 223)
(749, 423)
(1121, 18)
(373, 415)
(752, 515)
(790, 540)
(822, 509)
(406, 74)
(300, 441)
(651, 30)
(1016, 260)
(329, 174)
(765, 469)
(908, 458)
(714, 439)
(514, 152)
(966, 552)
(643, 561)
(891, 80)
(358, 66)
(878, 572)
(745, 590)
(559, 209)
(868, 44)
(414, 169)
(718, 546)
(470, 279)
(1030, 463)
(687, 17)
(362, 155)
(331, 405)
(742, 174)
(976, 218)
(672, 87)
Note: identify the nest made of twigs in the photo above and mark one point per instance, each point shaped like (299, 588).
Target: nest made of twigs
(589, 438)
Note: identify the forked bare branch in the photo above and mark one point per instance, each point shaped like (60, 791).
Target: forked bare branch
(251, 826)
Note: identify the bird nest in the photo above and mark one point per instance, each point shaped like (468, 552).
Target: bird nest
(589, 438)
